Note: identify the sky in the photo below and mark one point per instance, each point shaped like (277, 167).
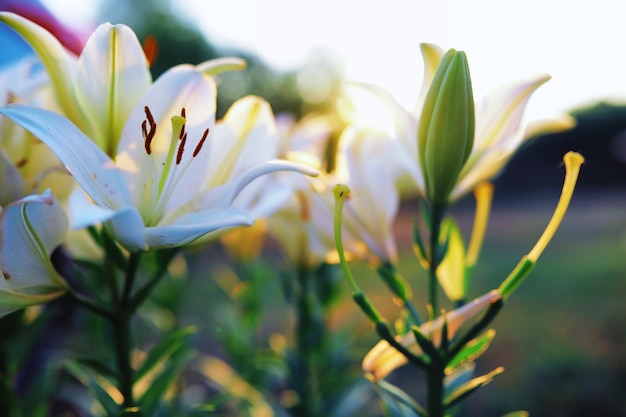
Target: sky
(578, 42)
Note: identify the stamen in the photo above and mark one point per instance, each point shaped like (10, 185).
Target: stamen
(183, 114)
(148, 135)
(181, 148)
(199, 145)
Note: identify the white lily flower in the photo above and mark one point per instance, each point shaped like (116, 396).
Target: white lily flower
(500, 129)
(305, 227)
(152, 195)
(363, 164)
(98, 89)
(30, 229)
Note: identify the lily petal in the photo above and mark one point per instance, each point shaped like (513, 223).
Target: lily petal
(11, 182)
(364, 163)
(112, 75)
(245, 137)
(84, 213)
(59, 63)
(219, 65)
(192, 226)
(92, 169)
(267, 168)
(128, 228)
(31, 229)
(499, 132)
(431, 54)
(500, 113)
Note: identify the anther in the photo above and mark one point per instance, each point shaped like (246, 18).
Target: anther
(148, 134)
(199, 145)
(181, 148)
(183, 114)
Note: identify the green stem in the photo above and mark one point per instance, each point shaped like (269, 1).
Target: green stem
(437, 213)
(121, 327)
(434, 398)
(435, 373)
(122, 347)
(306, 335)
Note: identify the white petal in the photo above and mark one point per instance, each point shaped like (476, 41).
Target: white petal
(85, 213)
(128, 228)
(92, 169)
(11, 182)
(267, 168)
(431, 54)
(59, 63)
(112, 76)
(195, 225)
(219, 65)
(31, 229)
(500, 113)
(245, 138)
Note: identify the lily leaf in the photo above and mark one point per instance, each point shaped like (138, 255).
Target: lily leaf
(397, 403)
(97, 385)
(464, 391)
(151, 398)
(472, 350)
(164, 350)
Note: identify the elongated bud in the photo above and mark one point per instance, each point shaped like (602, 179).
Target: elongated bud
(446, 129)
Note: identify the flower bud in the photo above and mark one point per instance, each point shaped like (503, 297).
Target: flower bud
(446, 128)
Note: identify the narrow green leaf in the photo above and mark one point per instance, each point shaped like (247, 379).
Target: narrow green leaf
(398, 286)
(370, 311)
(425, 212)
(418, 246)
(472, 350)
(151, 398)
(167, 347)
(97, 385)
(425, 344)
(465, 390)
(398, 403)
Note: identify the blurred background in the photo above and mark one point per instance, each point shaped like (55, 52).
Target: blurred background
(562, 337)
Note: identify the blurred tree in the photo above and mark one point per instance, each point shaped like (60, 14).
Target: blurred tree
(181, 41)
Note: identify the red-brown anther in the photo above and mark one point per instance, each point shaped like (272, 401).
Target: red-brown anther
(148, 134)
(183, 114)
(199, 145)
(181, 149)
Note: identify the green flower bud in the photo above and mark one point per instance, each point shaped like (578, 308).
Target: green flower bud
(446, 129)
